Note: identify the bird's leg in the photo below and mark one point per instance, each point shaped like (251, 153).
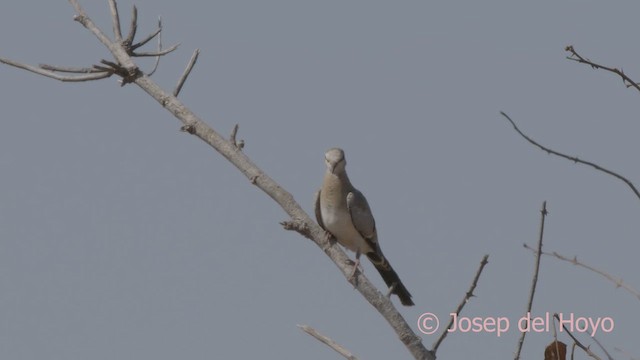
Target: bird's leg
(391, 289)
(356, 265)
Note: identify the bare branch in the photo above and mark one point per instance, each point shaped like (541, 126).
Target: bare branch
(196, 126)
(617, 281)
(111, 64)
(133, 27)
(156, 53)
(157, 62)
(584, 348)
(53, 75)
(327, 341)
(67, 69)
(534, 280)
(573, 158)
(114, 47)
(115, 20)
(186, 72)
(147, 39)
(464, 301)
(578, 58)
(240, 144)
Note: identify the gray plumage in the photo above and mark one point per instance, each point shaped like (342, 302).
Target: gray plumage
(344, 212)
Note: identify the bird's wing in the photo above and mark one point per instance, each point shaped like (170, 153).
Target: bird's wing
(316, 206)
(362, 219)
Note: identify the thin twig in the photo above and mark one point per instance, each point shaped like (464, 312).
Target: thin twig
(572, 158)
(115, 20)
(133, 27)
(616, 281)
(584, 348)
(146, 40)
(469, 294)
(53, 75)
(67, 69)
(156, 53)
(628, 82)
(631, 357)
(239, 144)
(186, 72)
(534, 280)
(157, 62)
(602, 348)
(327, 341)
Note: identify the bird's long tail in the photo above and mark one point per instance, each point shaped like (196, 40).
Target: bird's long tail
(391, 278)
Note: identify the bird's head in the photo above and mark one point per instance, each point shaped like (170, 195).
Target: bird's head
(335, 161)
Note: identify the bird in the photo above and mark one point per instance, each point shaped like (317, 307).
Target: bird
(344, 212)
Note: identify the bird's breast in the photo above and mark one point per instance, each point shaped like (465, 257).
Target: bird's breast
(338, 223)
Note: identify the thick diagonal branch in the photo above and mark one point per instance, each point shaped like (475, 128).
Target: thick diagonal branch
(194, 125)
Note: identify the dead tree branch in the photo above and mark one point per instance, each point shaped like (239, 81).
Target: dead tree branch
(133, 27)
(534, 280)
(616, 281)
(328, 341)
(125, 67)
(48, 71)
(157, 62)
(148, 38)
(156, 53)
(186, 72)
(627, 81)
(572, 158)
(469, 294)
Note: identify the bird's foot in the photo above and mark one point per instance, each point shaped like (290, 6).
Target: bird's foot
(356, 266)
(391, 290)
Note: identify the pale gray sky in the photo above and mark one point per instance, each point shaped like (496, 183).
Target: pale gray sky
(123, 238)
